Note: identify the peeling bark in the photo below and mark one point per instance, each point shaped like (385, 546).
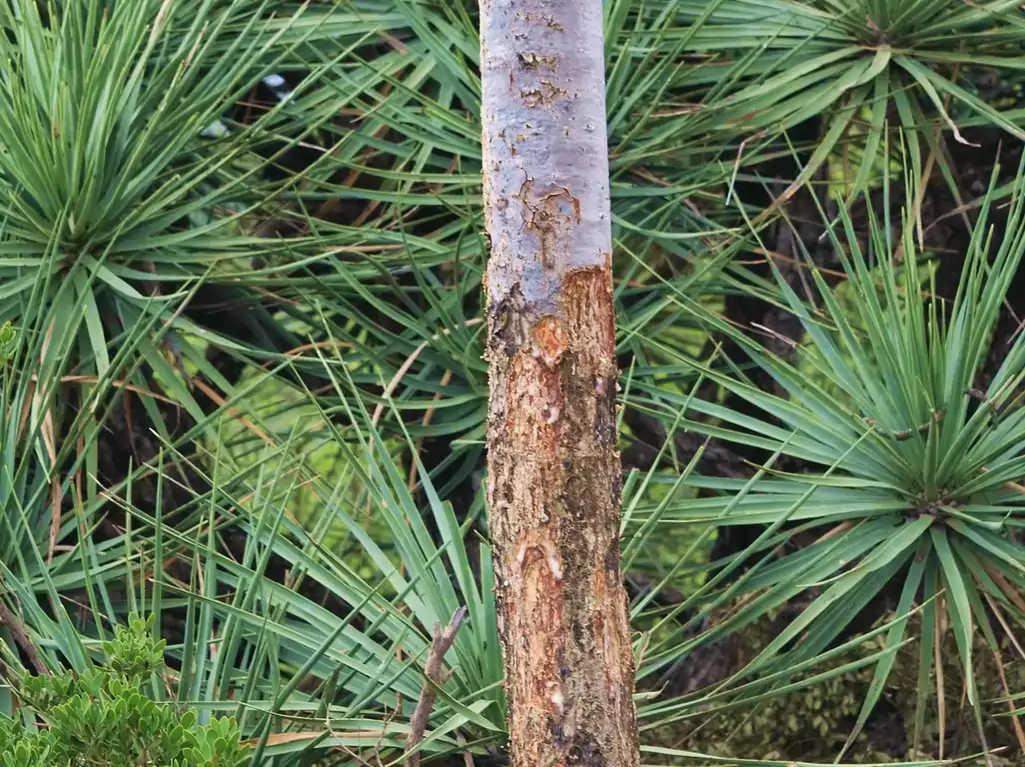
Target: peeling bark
(554, 473)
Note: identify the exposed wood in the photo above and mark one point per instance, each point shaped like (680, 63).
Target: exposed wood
(554, 472)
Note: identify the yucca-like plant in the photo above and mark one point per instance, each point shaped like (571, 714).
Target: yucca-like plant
(916, 452)
(859, 66)
(340, 676)
(129, 175)
(124, 177)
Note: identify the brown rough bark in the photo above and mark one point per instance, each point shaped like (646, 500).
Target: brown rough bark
(554, 472)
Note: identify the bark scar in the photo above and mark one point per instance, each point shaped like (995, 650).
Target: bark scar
(548, 552)
(549, 341)
(547, 216)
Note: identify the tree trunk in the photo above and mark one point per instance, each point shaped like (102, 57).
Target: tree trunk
(554, 473)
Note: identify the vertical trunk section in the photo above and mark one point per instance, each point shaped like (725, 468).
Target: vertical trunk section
(554, 473)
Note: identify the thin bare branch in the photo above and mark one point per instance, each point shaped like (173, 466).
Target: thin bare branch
(440, 644)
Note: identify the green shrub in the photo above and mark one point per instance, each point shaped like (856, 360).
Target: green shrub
(103, 718)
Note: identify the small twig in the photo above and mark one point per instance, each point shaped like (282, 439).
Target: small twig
(467, 755)
(736, 164)
(440, 645)
(797, 263)
(778, 336)
(9, 619)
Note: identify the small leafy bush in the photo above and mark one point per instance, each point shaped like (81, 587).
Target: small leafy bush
(103, 718)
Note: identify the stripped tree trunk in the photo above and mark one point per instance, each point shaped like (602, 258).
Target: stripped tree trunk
(554, 473)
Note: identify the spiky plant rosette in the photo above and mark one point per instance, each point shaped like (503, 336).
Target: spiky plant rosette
(122, 175)
(859, 65)
(913, 461)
